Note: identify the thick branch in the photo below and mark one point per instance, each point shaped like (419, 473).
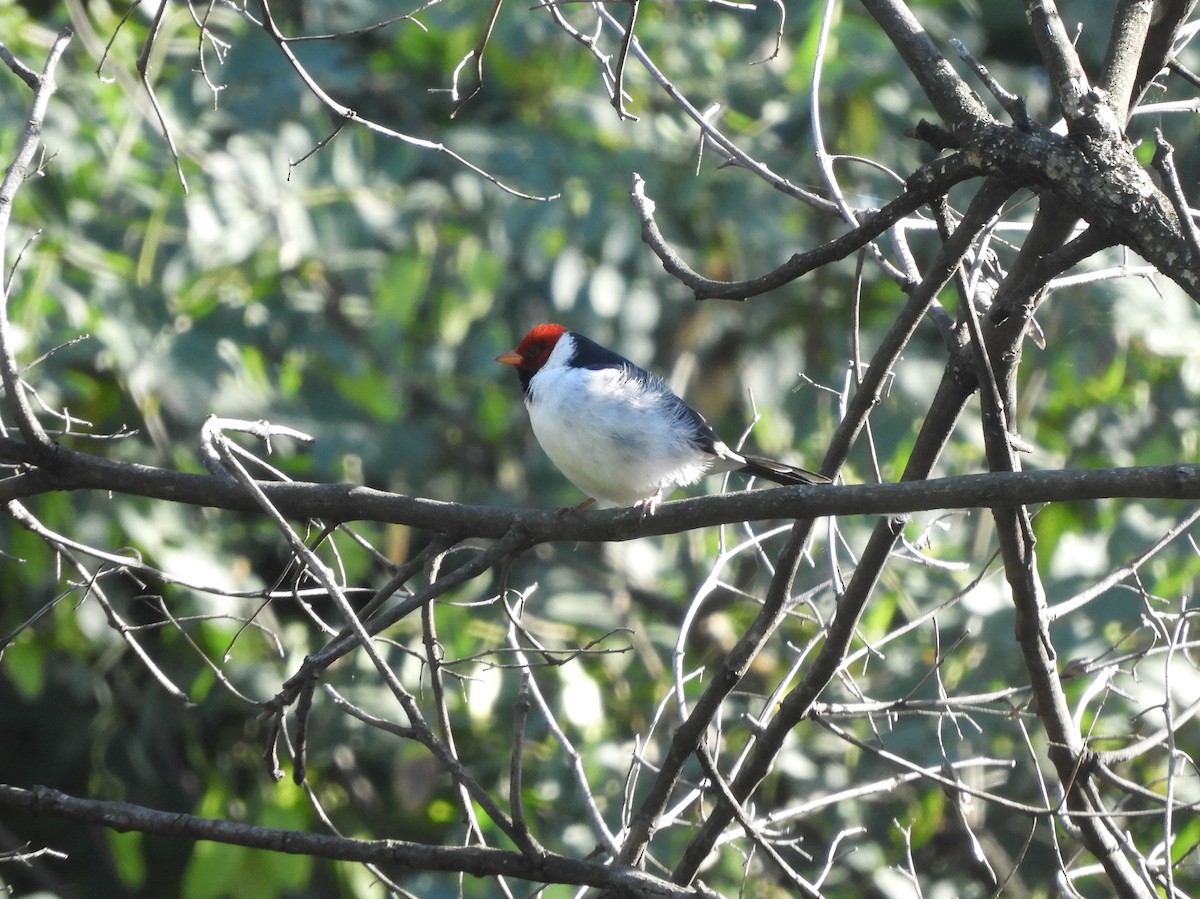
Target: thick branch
(1131, 25)
(1105, 185)
(475, 860)
(1062, 64)
(958, 105)
(1168, 17)
(1094, 169)
(346, 502)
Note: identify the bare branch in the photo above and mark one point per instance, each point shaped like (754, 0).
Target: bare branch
(959, 107)
(718, 781)
(1014, 529)
(475, 54)
(343, 502)
(1067, 77)
(763, 638)
(824, 160)
(618, 91)
(850, 607)
(1131, 26)
(442, 749)
(477, 860)
(1170, 31)
(1164, 164)
(22, 71)
(1011, 103)
(926, 184)
(39, 444)
(143, 70)
(709, 129)
(348, 114)
(604, 835)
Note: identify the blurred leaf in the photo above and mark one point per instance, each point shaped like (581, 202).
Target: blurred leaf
(127, 855)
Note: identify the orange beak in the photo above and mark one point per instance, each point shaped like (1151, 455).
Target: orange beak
(512, 357)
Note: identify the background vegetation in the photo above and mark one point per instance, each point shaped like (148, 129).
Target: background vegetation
(358, 291)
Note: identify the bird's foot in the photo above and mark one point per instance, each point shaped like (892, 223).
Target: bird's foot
(650, 504)
(563, 510)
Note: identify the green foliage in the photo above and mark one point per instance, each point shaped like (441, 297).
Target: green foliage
(216, 870)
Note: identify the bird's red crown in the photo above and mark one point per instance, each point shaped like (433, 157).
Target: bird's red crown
(535, 347)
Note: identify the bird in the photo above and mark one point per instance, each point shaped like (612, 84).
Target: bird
(617, 431)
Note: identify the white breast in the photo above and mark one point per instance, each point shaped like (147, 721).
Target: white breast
(608, 435)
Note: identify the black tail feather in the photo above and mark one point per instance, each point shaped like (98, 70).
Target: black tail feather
(762, 467)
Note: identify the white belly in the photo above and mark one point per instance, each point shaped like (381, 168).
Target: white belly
(609, 438)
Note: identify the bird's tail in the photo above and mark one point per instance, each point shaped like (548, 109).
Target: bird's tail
(762, 467)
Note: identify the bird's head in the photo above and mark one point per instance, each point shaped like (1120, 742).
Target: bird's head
(533, 350)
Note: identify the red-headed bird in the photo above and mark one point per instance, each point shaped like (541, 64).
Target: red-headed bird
(618, 432)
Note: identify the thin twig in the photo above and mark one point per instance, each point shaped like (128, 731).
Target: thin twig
(475, 53)
(820, 151)
(618, 94)
(779, 5)
(39, 444)
(731, 150)
(1164, 164)
(22, 71)
(345, 112)
(927, 183)
(444, 753)
(143, 70)
(1013, 104)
